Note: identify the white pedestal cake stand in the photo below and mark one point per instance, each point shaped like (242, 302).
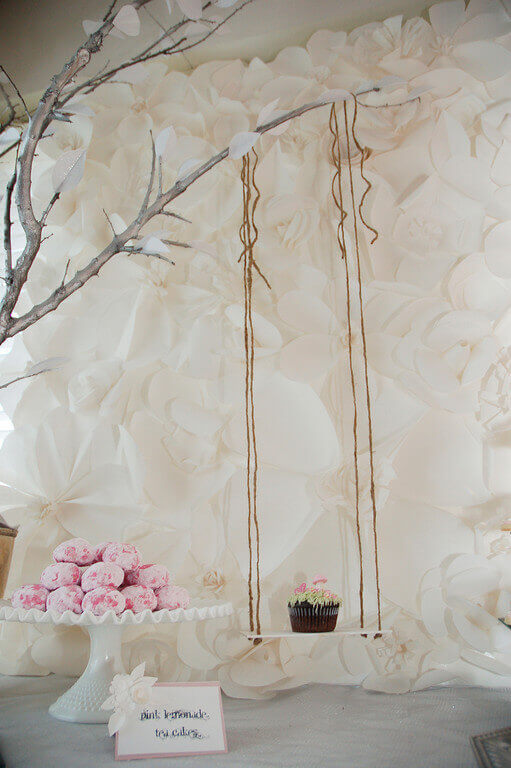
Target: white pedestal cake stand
(82, 702)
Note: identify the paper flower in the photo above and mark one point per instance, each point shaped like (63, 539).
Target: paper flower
(127, 691)
(156, 371)
(69, 482)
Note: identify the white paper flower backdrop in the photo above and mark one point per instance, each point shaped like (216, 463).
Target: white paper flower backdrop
(141, 434)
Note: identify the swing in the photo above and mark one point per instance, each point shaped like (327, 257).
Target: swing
(248, 237)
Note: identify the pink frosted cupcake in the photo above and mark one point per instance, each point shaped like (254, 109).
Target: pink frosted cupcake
(313, 608)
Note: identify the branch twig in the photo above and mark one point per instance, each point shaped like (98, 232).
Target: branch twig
(145, 214)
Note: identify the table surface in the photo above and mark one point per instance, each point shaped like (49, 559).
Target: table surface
(318, 726)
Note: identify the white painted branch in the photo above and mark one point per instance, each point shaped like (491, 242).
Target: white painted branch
(146, 213)
(37, 125)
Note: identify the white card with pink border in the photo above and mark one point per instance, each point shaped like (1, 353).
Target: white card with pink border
(179, 719)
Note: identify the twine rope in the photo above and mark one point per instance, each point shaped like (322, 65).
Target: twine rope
(364, 349)
(336, 156)
(248, 236)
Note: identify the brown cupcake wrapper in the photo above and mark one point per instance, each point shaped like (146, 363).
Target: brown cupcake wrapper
(306, 617)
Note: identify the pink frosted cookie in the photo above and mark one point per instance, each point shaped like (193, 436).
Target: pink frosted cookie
(130, 578)
(30, 596)
(99, 549)
(102, 575)
(139, 599)
(65, 599)
(102, 599)
(125, 555)
(172, 597)
(77, 551)
(153, 576)
(60, 575)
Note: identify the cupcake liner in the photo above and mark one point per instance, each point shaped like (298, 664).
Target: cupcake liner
(306, 617)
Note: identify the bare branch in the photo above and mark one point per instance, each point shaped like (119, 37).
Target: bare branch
(209, 33)
(175, 216)
(160, 176)
(50, 108)
(110, 223)
(65, 273)
(177, 243)
(7, 227)
(16, 90)
(10, 109)
(12, 146)
(167, 33)
(149, 53)
(109, 11)
(48, 208)
(146, 213)
(147, 195)
(51, 364)
(38, 124)
(19, 378)
(150, 255)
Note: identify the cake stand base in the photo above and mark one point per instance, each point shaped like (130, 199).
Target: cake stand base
(82, 702)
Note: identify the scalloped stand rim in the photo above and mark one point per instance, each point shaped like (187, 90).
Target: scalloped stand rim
(82, 702)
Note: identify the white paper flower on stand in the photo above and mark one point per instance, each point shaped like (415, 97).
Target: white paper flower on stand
(128, 692)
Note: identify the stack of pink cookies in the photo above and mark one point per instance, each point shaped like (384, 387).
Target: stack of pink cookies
(106, 577)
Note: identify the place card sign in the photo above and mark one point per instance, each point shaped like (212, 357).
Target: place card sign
(181, 719)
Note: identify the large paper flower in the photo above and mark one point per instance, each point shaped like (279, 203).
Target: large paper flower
(467, 40)
(462, 599)
(61, 480)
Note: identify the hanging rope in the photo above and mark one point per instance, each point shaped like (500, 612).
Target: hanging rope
(336, 156)
(364, 344)
(248, 237)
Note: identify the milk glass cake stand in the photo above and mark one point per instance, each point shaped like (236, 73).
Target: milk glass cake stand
(82, 702)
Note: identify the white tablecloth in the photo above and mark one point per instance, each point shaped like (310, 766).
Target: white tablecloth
(318, 726)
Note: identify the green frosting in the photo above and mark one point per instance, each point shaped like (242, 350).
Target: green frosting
(315, 597)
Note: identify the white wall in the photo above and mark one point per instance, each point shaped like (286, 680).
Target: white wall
(140, 436)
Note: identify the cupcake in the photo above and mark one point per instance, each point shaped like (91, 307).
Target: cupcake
(314, 608)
